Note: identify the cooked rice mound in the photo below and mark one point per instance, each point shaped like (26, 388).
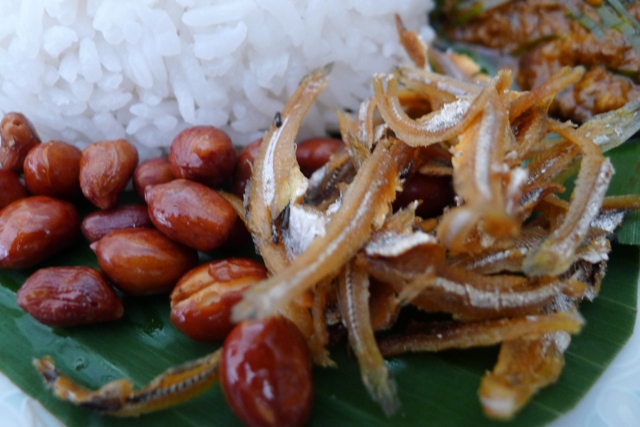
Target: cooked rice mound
(87, 71)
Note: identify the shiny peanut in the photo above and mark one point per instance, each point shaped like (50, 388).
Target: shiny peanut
(53, 169)
(18, 137)
(190, 213)
(142, 261)
(204, 154)
(34, 228)
(11, 188)
(69, 296)
(242, 174)
(265, 372)
(105, 170)
(98, 224)
(435, 192)
(152, 172)
(313, 153)
(202, 300)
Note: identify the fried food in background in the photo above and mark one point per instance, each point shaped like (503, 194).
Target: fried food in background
(545, 36)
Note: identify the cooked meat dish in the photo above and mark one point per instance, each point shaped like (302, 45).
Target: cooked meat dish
(547, 35)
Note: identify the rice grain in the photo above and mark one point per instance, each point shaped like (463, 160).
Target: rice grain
(144, 71)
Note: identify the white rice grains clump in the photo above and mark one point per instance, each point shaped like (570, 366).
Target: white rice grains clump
(90, 70)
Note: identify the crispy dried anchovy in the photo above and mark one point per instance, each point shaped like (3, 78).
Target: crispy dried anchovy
(413, 45)
(363, 209)
(320, 337)
(530, 128)
(118, 398)
(555, 254)
(609, 130)
(438, 336)
(398, 235)
(524, 366)
(561, 79)
(501, 257)
(323, 189)
(436, 126)
(353, 292)
(466, 302)
(478, 174)
(276, 180)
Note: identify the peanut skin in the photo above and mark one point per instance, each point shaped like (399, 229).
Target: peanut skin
(18, 137)
(98, 224)
(69, 296)
(190, 213)
(242, 174)
(203, 298)
(152, 172)
(265, 373)
(105, 169)
(204, 154)
(53, 169)
(11, 189)
(435, 192)
(313, 153)
(34, 228)
(142, 261)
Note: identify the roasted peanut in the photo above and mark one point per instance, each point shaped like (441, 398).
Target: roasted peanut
(142, 261)
(34, 228)
(152, 172)
(53, 169)
(18, 137)
(265, 372)
(435, 192)
(105, 170)
(69, 296)
(242, 174)
(204, 154)
(11, 188)
(313, 153)
(202, 300)
(98, 224)
(190, 213)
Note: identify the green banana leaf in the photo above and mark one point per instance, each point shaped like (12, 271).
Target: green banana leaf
(436, 389)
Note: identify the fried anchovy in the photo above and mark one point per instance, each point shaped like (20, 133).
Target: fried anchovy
(364, 207)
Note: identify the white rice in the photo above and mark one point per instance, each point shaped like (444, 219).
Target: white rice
(88, 70)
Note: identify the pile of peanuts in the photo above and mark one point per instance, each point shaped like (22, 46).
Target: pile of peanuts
(151, 248)
(142, 249)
